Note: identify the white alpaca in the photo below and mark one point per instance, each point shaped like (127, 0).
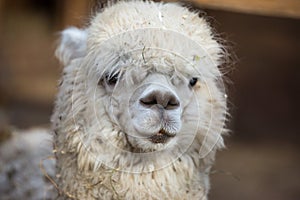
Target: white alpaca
(139, 114)
(140, 108)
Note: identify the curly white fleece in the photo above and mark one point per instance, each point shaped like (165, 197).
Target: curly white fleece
(79, 139)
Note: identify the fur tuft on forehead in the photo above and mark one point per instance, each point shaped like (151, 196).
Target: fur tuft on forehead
(148, 29)
(163, 51)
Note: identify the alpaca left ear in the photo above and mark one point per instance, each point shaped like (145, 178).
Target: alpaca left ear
(72, 45)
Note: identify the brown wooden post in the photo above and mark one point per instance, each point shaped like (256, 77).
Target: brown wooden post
(74, 12)
(279, 8)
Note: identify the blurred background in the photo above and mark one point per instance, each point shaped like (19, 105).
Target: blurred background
(262, 156)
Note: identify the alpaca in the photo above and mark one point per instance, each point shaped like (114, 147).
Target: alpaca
(21, 176)
(140, 109)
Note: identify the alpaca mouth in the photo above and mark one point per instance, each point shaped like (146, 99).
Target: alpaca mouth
(161, 137)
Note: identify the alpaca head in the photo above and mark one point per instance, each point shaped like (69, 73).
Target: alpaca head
(140, 89)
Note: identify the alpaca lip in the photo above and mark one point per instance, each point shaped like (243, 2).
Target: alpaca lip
(161, 137)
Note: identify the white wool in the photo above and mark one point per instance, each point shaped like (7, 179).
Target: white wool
(21, 175)
(94, 157)
(72, 45)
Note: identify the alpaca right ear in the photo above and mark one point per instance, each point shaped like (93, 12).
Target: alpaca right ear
(72, 45)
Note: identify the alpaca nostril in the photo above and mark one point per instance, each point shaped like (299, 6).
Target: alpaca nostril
(148, 101)
(173, 103)
(166, 99)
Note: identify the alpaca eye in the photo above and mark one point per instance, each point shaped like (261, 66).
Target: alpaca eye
(111, 80)
(193, 81)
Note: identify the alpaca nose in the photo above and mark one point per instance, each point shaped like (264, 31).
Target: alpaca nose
(163, 98)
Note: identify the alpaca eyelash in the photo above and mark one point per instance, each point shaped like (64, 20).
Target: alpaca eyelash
(109, 79)
(112, 79)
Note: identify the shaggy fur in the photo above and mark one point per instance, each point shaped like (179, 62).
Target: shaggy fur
(96, 156)
(21, 176)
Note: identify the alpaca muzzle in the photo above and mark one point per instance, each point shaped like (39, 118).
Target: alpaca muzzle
(161, 137)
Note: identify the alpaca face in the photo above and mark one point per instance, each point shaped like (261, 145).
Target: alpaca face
(142, 89)
(154, 109)
(149, 92)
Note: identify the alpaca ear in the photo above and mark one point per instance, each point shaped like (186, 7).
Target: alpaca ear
(72, 45)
